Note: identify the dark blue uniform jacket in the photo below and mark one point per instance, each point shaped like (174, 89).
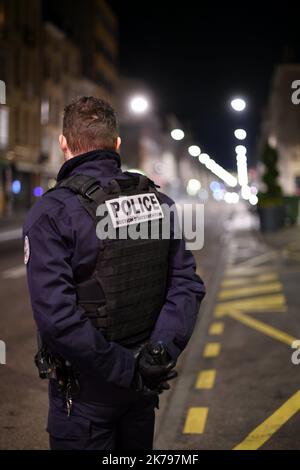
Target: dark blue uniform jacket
(63, 245)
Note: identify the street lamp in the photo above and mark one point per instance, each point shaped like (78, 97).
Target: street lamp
(139, 104)
(194, 150)
(238, 104)
(177, 134)
(240, 134)
(193, 187)
(204, 158)
(241, 150)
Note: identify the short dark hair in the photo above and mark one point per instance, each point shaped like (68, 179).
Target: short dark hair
(90, 123)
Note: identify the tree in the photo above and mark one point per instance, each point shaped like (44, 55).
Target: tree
(273, 194)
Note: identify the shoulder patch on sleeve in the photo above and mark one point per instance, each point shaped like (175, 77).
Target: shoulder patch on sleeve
(26, 250)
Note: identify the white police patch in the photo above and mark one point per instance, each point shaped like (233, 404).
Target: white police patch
(128, 210)
(26, 250)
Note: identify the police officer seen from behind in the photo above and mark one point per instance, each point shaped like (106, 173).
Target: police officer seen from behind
(112, 314)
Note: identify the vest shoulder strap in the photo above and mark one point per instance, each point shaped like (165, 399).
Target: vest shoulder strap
(83, 185)
(89, 187)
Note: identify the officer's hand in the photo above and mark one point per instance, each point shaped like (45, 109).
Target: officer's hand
(155, 366)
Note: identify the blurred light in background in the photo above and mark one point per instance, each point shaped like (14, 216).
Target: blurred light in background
(4, 126)
(231, 198)
(194, 150)
(204, 158)
(203, 195)
(238, 104)
(159, 168)
(38, 191)
(51, 183)
(241, 149)
(45, 112)
(139, 104)
(177, 134)
(240, 134)
(193, 187)
(246, 192)
(217, 170)
(242, 169)
(16, 186)
(253, 200)
(214, 185)
(254, 190)
(218, 194)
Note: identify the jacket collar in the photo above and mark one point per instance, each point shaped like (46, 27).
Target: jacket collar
(110, 160)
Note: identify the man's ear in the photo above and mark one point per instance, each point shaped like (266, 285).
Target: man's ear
(118, 143)
(64, 146)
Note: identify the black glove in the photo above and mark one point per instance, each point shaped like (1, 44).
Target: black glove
(154, 369)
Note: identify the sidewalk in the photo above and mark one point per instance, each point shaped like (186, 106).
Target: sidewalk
(11, 227)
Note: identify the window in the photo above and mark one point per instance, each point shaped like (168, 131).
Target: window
(3, 19)
(4, 126)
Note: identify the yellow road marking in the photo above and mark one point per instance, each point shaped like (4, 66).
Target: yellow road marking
(249, 279)
(263, 327)
(254, 289)
(265, 303)
(259, 259)
(212, 350)
(271, 425)
(195, 421)
(206, 379)
(246, 271)
(216, 328)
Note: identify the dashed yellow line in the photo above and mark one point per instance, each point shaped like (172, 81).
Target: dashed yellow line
(212, 350)
(206, 379)
(216, 328)
(195, 421)
(254, 289)
(263, 327)
(270, 426)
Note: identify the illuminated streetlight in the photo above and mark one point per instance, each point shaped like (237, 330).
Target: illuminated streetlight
(177, 134)
(139, 104)
(253, 200)
(194, 150)
(193, 187)
(240, 134)
(203, 158)
(238, 104)
(241, 149)
(231, 198)
(246, 192)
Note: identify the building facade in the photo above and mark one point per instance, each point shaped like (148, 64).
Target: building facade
(282, 127)
(45, 64)
(20, 62)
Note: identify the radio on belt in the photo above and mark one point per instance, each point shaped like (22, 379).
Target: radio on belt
(128, 210)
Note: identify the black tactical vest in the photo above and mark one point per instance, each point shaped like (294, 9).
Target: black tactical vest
(126, 291)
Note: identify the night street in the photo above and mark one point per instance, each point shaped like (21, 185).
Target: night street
(149, 231)
(236, 372)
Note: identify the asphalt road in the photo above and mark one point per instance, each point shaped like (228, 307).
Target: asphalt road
(238, 388)
(237, 385)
